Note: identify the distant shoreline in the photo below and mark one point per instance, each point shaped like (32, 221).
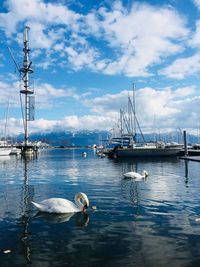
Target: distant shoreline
(69, 147)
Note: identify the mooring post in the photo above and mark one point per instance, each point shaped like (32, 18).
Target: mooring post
(185, 143)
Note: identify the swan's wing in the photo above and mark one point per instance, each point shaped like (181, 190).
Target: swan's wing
(137, 175)
(56, 205)
(132, 175)
(37, 205)
(128, 174)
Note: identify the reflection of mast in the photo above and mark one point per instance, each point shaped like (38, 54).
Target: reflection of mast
(186, 171)
(25, 238)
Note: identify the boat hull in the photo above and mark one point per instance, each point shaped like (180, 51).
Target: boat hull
(5, 151)
(147, 152)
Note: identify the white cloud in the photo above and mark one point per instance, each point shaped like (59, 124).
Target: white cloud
(140, 43)
(182, 67)
(9, 91)
(108, 103)
(194, 41)
(14, 126)
(43, 125)
(185, 91)
(45, 94)
(172, 109)
(36, 11)
(87, 122)
(48, 96)
(197, 3)
(81, 59)
(151, 102)
(48, 90)
(135, 43)
(41, 40)
(169, 107)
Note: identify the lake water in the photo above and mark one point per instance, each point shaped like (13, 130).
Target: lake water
(137, 223)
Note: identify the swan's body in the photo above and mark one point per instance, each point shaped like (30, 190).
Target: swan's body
(61, 205)
(136, 175)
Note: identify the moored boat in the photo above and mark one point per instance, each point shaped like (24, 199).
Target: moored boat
(146, 150)
(5, 151)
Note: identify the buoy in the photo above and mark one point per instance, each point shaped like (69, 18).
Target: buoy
(7, 251)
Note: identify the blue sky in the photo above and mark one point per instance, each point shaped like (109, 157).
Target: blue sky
(87, 54)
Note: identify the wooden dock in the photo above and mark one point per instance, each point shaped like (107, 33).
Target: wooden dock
(191, 158)
(192, 155)
(188, 153)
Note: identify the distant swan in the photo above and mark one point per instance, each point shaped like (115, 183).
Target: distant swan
(136, 175)
(61, 205)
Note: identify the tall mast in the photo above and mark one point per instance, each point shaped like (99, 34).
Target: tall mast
(25, 71)
(134, 112)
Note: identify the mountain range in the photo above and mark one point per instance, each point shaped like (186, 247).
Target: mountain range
(89, 138)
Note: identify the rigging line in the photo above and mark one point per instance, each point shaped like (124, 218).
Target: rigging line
(134, 107)
(137, 121)
(126, 122)
(6, 120)
(15, 62)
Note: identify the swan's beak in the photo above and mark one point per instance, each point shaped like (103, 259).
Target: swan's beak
(85, 208)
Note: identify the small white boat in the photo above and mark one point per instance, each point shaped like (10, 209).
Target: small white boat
(5, 151)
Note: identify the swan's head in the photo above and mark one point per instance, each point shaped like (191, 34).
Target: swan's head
(145, 173)
(82, 201)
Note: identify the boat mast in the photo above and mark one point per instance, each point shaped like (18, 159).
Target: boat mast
(134, 112)
(121, 127)
(25, 71)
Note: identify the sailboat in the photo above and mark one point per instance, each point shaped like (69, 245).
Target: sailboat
(148, 150)
(5, 148)
(5, 151)
(140, 149)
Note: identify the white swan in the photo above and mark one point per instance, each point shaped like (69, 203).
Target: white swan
(136, 175)
(61, 205)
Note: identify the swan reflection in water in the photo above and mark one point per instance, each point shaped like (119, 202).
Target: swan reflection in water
(81, 219)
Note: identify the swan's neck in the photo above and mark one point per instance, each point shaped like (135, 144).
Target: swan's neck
(144, 174)
(78, 202)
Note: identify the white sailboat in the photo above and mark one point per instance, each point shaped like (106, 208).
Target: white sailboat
(5, 149)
